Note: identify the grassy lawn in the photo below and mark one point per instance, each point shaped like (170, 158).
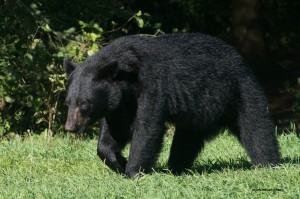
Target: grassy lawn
(69, 168)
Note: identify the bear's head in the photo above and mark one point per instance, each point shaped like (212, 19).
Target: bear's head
(94, 89)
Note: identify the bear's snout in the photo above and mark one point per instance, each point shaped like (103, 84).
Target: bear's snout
(70, 127)
(75, 121)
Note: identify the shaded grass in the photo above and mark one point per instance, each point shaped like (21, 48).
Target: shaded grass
(69, 168)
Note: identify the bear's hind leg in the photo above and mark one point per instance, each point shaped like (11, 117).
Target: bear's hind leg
(257, 135)
(185, 147)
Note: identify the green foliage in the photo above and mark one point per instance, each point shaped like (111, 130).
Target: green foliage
(37, 34)
(188, 16)
(35, 37)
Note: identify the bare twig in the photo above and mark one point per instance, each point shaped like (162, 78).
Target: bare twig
(158, 32)
(114, 30)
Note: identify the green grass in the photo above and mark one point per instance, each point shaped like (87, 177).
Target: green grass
(69, 168)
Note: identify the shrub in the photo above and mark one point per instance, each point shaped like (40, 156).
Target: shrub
(35, 39)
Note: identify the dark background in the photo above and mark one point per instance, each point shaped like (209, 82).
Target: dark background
(36, 35)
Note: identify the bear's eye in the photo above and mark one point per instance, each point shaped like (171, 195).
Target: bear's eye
(83, 105)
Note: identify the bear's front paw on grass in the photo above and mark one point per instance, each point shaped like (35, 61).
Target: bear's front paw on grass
(132, 174)
(135, 172)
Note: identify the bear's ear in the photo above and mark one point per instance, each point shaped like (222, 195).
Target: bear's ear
(107, 71)
(69, 67)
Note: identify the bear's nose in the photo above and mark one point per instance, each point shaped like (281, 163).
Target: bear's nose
(70, 128)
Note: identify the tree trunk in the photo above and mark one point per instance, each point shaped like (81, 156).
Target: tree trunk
(248, 33)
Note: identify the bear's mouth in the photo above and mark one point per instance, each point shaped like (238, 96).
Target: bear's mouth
(82, 127)
(77, 127)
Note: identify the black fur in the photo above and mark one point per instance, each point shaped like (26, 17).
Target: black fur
(195, 81)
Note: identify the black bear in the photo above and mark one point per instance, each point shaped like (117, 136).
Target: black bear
(195, 81)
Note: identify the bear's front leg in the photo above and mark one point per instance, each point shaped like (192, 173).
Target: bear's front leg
(147, 138)
(110, 146)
